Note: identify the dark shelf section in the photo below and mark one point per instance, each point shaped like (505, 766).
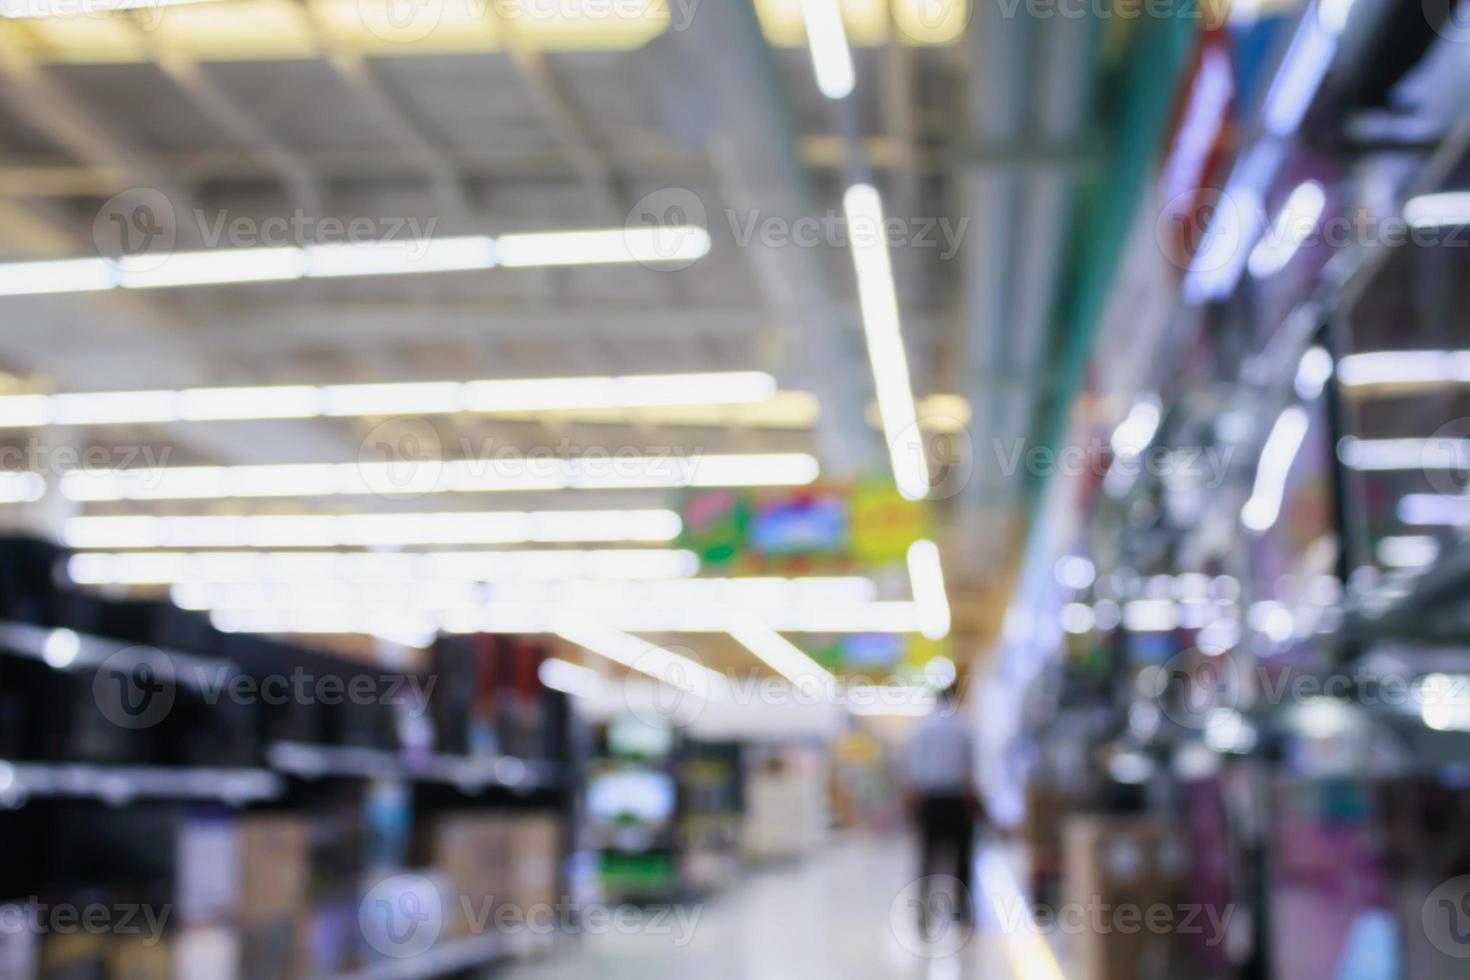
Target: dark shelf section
(469, 773)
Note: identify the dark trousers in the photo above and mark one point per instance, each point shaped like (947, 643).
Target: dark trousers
(947, 845)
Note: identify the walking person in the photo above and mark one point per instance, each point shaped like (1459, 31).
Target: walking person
(939, 777)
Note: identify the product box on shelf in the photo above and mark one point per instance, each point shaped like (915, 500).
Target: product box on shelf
(269, 948)
(207, 870)
(328, 935)
(274, 851)
(79, 955)
(139, 958)
(536, 859)
(1121, 871)
(473, 850)
(207, 951)
(20, 946)
(488, 698)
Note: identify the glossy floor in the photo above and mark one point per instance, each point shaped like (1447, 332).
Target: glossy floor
(848, 912)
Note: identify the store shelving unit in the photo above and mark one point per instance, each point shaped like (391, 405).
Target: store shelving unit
(471, 774)
(456, 957)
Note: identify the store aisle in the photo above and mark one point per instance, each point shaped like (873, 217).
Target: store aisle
(841, 914)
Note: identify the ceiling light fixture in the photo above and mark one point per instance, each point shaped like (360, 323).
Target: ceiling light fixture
(648, 246)
(1296, 222)
(879, 301)
(1264, 506)
(369, 530)
(786, 659)
(831, 57)
(926, 578)
(412, 398)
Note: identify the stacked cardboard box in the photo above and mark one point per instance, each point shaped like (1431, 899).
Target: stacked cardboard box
(536, 848)
(1118, 871)
(240, 885)
(493, 860)
(472, 850)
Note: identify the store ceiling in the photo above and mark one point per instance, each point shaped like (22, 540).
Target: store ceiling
(252, 109)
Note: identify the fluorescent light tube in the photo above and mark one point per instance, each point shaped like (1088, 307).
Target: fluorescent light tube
(554, 394)
(1264, 506)
(1434, 509)
(213, 267)
(393, 258)
(1408, 551)
(674, 243)
(664, 665)
(71, 8)
(1293, 226)
(926, 576)
(273, 402)
(879, 301)
(60, 276)
(496, 617)
(649, 246)
(1449, 209)
(25, 411)
(168, 567)
(1313, 372)
(409, 398)
(1299, 77)
(1151, 615)
(21, 488)
(1405, 369)
(1404, 454)
(1136, 432)
(356, 531)
(569, 678)
(786, 659)
(114, 407)
(831, 57)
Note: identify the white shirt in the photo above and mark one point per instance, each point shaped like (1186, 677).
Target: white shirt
(941, 757)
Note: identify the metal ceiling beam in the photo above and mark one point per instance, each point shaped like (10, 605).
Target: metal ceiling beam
(49, 106)
(571, 132)
(235, 121)
(357, 73)
(748, 129)
(652, 163)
